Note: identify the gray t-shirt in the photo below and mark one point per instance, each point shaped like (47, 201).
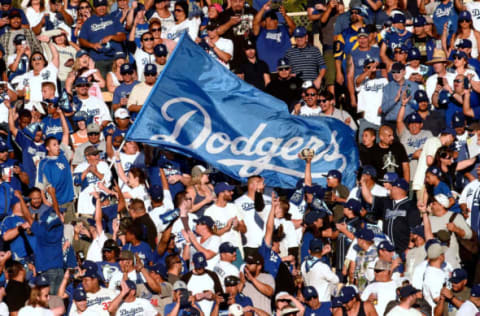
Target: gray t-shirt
(259, 300)
(412, 143)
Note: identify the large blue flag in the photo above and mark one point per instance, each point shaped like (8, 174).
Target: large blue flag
(200, 109)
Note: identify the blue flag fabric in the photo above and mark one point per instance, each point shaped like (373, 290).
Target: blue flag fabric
(200, 109)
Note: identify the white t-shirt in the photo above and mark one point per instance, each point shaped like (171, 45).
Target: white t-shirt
(322, 278)
(467, 196)
(4, 309)
(95, 250)
(139, 192)
(126, 161)
(474, 8)
(433, 281)
(221, 215)
(224, 269)
(142, 58)
(225, 45)
(290, 240)
(191, 26)
(429, 149)
(305, 110)
(117, 278)
(254, 233)
(90, 311)
(385, 291)
(47, 74)
(37, 311)
(370, 99)
(139, 307)
(158, 211)
(376, 190)
(167, 23)
(400, 311)
(178, 227)
(97, 109)
(212, 243)
(199, 284)
(468, 309)
(34, 17)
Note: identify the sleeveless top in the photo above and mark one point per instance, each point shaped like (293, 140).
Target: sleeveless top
(361, 310)
(472, 39)
(199, 198)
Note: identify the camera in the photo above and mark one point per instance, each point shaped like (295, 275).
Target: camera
(466, 83)
(276, 4)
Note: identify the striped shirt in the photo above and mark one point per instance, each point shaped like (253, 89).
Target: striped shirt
(306, 62)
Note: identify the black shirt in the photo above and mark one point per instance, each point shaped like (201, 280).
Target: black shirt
(289, 91)
(389, 159)
(17, 294)
(253, 73)
(435, 122)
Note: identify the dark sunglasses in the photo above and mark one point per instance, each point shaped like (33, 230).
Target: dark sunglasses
(445, 156)
(157, 29)
(457, 57)
(284, 69)
(84, 7)
(395, 72)
(149, 75)
(178, 10)
(354, 12)
(458, 81)
(461, 21)
(322, 100)
(37, 58)
(93, 134)
(82, 85)
(310, 94)
(148, 39)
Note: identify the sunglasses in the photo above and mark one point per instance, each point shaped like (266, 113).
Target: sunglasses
(458, 81)
(37, 58)
(178, 10)
(82, 85)
(148, 39)
(462, 21)
(354, 12)
(284, 69)
(84, 7)
(149, 75)
(93, 134)
(283, 300)
(322, 101)
(310, 94)
(395, 72)
(156, 30)
(457, 57)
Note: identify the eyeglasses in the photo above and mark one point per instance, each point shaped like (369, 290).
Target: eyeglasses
(322, 100)
(310, 94)
(354, 12)
(149, 75)
(93, 134)
(445, 156)
(458, 81)
(84, 7)
(157, 29)
(178, 10)
(37, 58)
(148, 39)
(283, 300)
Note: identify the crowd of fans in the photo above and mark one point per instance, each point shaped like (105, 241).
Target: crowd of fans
(94, 224)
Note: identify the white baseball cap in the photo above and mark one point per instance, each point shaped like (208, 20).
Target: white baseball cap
(235, 310)
(121, 113)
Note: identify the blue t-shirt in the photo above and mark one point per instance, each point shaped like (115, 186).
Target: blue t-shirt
(394, 39)
(56, 171)
(442, 188)
(14, 180)
(48, 231)
(53, 127)
(445, 13)
(359, 57)
(30, 150)
(323, 310)
(17, 245)
(271, 258)
(272, 45)
(123, 91)
(7, 199)
(143, 250)
(95, 29)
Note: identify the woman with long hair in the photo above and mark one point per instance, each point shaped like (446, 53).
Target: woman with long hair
(183, 23)
(114, 77)
(465, 30)
(201, 190)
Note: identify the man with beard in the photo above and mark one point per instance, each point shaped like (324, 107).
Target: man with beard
(255, 207)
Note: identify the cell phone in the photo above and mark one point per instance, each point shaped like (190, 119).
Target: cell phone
(224, 305)
(440, 81)
(466, 83)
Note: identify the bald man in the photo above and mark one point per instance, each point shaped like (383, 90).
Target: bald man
(390, 155)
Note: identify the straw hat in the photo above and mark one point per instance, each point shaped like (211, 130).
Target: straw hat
(439, 56)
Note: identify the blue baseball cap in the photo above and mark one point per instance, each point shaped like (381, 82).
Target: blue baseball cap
(389, 177)
(159, 269)
(81, 81)
(300, 31)
(19, 38)
(402, 184)
(79, 295)
(449, 130)
(369, 170)
(205, 220)
(353, 205)
(91, 269)
(199, 260)
(222, 187)
(419, 21)
(334, 174)
(398, 18)
(385, 245)
(160, 50)
(413, 117)
(475, 292)
(80, 116)
(99, 3)
(131, 285)
(464, 16)
(458, 275)
(464, 43)
(408, 290)
(119, 55)
(41, 280)
(347, 293)
(316, 245)
(283, 63)
(312, 216)
(362, 32)
(459, 54)
(420, 96)
(156, 192)
(419, 230)
(458, 120)
(435, 171)
(309, 292)
(368, 61)
(3, 146)
(413, 53)
(362, 10)
(365, 234)
(227, 247)
(150, 69)
(81, 53)
(126, 69)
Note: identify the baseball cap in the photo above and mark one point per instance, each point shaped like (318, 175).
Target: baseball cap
(156, 192)
(435, 251)
(150, 69)
(419, 21)
(81, 81)
(397, 67)
(131, 285)
(125, 255)
(119, 55)
(109, 245)
(231, 280)
(413, 54)
(3, 146)
(81, 53)
(385, 245)
(382, 265)
(126, 69)
(458, 275)
(362, 32)
(198, 170)
(289, 311)
(316, 245)
(365, 234)
(313, 216)
(464, 16)
(91, 269)
(300, 31)
(93, 128)
(280, 294)
(362, 10)
(334, 174)
(254, 258)
(309, 292)
(283, 63)
(227, 247)
(79, 295)
(121, 113)
(435, 171)
(19, 38)
(179, 285)
(199, 260)
(14, 13)
(235, 310)
(390, 177)
(249, 45)
(398, 18)
(475, 292)
(41, 280)
(91, 151)
(80, 116)
(407, 290)
(413, 117)
(419, 230)
(368, 61)
(99, 3)
(420, 96)
(458, 120)
(449, 130)
(347, 293)
(402, 184)
(464, 43)
(271, 14)
(223, 186)
(369, 170)
(354, 205)
(160, 50)
(205, 220)
(459, 54)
